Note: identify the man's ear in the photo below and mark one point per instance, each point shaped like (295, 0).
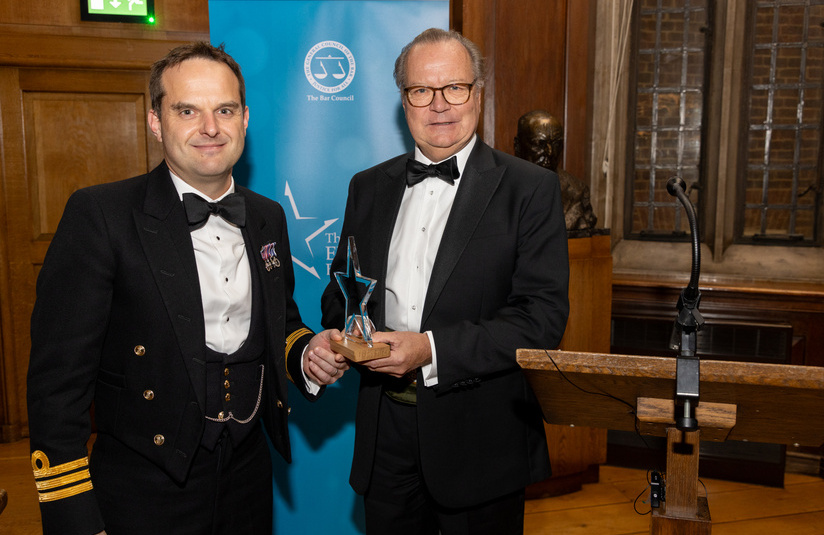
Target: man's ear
(154, 125)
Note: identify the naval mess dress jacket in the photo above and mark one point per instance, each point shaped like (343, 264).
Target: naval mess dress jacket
(499, 283)
(119, 313)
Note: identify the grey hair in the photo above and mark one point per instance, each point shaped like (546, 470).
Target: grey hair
(437, 35)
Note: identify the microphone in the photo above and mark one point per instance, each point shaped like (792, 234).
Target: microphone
(688, 321)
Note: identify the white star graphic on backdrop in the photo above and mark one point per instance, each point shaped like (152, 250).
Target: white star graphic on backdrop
(309, 237)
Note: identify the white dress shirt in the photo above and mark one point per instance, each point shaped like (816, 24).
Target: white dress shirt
(415, 241)
(224, 274)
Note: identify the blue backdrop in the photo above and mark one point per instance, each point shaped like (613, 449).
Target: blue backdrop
(322, 106)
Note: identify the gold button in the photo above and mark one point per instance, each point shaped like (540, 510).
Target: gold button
(225, 371)
(220, 415)
(159, 440)
(148, 394)
(139, 351)
(289, 410)
(228, 397)
(280, 404)
(226, 384)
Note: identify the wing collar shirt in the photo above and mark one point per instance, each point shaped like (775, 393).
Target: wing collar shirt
(415, 240)
(224, 274)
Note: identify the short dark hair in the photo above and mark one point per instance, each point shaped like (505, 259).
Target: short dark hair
(178, 55)
(437, 35)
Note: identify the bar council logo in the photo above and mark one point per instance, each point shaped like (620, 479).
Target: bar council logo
(330, 67)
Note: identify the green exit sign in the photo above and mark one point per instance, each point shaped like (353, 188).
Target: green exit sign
(139, 11)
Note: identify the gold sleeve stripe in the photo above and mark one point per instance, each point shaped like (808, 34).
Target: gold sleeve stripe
(65, 493)
(290, 341)
(74, 483)
(47, 484)
(44, 469)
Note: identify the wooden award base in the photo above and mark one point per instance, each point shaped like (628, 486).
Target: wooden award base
(359, 351)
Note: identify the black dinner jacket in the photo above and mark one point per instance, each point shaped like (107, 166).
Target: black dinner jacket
(119, 314)
(499, 282)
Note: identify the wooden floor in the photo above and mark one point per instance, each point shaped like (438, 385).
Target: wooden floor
(604, 508)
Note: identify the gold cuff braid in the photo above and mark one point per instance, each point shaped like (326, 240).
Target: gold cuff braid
(77, 477)
(290, 341)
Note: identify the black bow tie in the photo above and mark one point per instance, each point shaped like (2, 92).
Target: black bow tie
(447, 171)
(232, 208)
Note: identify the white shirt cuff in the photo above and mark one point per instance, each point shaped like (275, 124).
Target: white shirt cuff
(311, 386)
(430, 371)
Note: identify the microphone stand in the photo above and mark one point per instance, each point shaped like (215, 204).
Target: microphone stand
(687, 324)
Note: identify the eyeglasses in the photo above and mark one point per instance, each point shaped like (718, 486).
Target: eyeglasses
(420, 96)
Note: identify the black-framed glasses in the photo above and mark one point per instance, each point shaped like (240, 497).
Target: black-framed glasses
(456, 93)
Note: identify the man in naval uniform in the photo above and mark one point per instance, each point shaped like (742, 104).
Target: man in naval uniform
(165, 300)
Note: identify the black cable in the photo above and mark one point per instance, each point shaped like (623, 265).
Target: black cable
(632, 411)
(605, 394)
(635, 501)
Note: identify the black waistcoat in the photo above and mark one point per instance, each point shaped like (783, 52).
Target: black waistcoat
(234, 382)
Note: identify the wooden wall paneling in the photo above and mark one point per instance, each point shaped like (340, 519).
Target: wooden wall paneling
(580, 27)
(539, 56)
(63, 130)
(590, 295)
(530, 70)
(172, 16)
(797, 304)
(475, 19)
(81, 128)
(73, 104)
(14, 288)
(85, 52)
(54, 13)
(577, 452)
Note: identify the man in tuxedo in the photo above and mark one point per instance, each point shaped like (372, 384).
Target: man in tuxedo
(470, 258)
(166, 301)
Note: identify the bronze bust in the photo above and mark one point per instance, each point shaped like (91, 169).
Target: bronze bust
(540, 140)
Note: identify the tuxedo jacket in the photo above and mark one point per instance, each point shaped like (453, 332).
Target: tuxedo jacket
(499, 283)
(118, 320)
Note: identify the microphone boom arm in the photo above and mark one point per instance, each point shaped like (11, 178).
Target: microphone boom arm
(687, 323)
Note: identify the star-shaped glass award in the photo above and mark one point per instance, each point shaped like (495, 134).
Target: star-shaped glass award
(357, 344)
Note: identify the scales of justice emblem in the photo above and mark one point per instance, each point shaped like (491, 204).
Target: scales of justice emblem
(329, 66)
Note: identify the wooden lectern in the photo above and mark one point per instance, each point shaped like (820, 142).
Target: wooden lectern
(772, 403)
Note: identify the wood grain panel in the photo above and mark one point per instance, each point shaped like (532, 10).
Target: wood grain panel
(73, 104)
(577, 109)
(777, 302)
(590, 295)
(16, 282)
(63, 129)
(82, 127)
(575, 452)
(539, 55)
(171, 16)
(776, 404)
(70, 51)
(530, 66)
(475, 19)
(66, 136)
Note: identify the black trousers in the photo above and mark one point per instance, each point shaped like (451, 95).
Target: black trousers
(398, 501)
(228, 491)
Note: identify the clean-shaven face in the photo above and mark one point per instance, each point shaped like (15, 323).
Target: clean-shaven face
(202, 125)
(441, 129)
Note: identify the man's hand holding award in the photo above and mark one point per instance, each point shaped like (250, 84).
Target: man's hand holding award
(357, 344)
